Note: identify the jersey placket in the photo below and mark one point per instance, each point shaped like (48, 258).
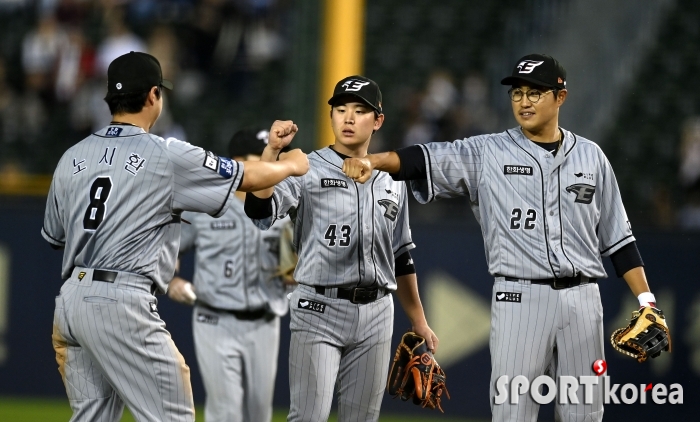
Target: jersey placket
(552, 219)
(364, 220)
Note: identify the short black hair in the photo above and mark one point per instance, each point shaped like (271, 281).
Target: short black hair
(128, 103)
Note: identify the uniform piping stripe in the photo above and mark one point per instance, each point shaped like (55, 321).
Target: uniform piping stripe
(228, 195)
(615, 244)
(561, 225)
(51, 237)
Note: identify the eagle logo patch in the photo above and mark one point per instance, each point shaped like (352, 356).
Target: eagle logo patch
(391, 208)
(584, 193)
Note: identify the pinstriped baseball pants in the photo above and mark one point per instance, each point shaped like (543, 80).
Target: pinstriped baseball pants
(550, 332)
(112, 349)
(345, 349)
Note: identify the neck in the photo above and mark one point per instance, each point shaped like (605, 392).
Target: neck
(138, 119)
(355, 151)
(547, 134)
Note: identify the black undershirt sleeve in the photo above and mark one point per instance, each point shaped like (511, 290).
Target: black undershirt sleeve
(403, 265)
(257, 208)
(412, 164)
(626, 258)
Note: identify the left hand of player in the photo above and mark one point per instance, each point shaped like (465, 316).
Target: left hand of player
(429, 336)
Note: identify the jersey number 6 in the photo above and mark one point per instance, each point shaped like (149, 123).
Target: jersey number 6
(99, 194)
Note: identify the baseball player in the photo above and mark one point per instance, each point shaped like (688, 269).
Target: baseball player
(239, 299)
(114, 207)
(353, 242)
(549, 208)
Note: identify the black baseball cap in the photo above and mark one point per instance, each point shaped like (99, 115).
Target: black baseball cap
(539, 69)
(363, 88)
(135, 72)
(248, 141)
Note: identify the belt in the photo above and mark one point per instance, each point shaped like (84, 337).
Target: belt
(111, 276)
(359, 295)
(557, 283)
(242, 315)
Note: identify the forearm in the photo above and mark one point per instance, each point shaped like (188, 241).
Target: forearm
(260, 177)
(269, 155)
(407, 292)
(385, 161)
(636, 280)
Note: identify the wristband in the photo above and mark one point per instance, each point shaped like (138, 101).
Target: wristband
(647, 299)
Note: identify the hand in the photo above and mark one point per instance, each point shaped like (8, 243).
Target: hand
(358, 169)
(298, 161)
(429, 336)
(181, 290)
(281, 134)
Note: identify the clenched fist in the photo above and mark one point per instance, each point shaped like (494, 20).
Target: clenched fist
(358, 169)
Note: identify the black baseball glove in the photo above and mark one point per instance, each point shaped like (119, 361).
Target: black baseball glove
(646, 335)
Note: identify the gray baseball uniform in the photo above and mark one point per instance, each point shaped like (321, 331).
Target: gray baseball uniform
(542, 216)
(347, 235)
(114, 206)
(235, 321)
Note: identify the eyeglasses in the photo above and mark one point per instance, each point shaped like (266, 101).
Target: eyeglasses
(534, 95)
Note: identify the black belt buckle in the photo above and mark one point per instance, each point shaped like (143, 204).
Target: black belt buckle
(560, 283)
(362, 295)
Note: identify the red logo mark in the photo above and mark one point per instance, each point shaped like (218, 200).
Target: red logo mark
(425, 359)
(599, 367)
(648, 387)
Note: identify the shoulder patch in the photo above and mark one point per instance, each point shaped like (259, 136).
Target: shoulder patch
(225, 167)
(517, 170)
(211, 161)
(334, 183)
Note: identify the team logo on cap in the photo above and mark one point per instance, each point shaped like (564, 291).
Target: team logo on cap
(527, 66)
(354, 85)
(119, 85)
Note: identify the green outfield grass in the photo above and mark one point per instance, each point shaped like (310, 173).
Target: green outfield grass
(57, 410)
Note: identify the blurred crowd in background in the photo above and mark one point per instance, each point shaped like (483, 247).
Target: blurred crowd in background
(54, 56)
(229, 61)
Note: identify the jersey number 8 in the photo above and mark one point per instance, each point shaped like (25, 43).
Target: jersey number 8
(99, 194)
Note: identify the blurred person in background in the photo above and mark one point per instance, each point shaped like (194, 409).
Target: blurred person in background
(689, 174)
(239, 295)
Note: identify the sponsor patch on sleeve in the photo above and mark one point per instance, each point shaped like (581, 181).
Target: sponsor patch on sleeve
(310, 305)
(211, 161)
(225, 167)
(516, 169)
(334, 183)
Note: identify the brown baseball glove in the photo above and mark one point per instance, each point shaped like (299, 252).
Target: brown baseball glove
(646, 335)
(415, 374)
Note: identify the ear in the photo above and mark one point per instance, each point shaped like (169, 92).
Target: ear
(152, 97)
(561, 97)
(378, 122)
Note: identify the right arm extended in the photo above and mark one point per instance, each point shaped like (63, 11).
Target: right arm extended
(403, 164)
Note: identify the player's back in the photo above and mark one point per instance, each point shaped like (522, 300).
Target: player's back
(114, 194)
